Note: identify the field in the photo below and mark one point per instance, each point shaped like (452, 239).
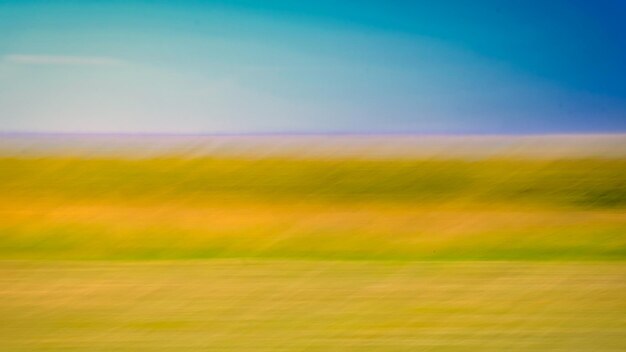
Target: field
(283, 253)
(252, 305)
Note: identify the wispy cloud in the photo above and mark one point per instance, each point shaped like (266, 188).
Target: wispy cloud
(62, 60)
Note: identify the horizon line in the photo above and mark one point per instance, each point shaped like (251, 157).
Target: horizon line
(305, 134)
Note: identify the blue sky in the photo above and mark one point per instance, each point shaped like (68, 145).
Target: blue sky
(313, 66)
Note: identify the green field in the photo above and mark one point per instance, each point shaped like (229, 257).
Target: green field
(582, 183)
(169, 208)
(291, 254)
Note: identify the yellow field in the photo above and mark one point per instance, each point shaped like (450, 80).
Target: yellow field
(40, 229)
(294, 254)
(192, 208)
(251, 305)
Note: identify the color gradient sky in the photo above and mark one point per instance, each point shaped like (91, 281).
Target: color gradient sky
(279, 66)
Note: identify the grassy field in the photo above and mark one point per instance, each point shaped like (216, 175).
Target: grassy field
(290, 254)
(251, 305)
(168, 208)
(50, 229)
(568, 182)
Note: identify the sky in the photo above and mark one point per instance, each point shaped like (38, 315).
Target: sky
(279, 66)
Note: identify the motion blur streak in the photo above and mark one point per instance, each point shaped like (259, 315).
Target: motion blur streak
(312, 243)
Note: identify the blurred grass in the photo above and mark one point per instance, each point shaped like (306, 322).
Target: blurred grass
(239, 230)
(230, 305)
(107, 254)
(188, 208)
(569, 182)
